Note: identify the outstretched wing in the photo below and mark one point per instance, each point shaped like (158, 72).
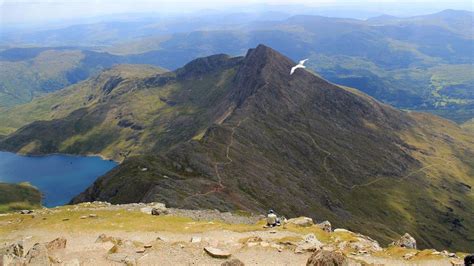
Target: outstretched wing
(293, 70)
(303, 61)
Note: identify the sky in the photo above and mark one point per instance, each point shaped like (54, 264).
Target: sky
(37, 11)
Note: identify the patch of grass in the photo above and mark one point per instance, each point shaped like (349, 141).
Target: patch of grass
(18, 197)
(122, 220)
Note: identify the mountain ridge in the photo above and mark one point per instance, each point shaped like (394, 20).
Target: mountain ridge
(221, 138)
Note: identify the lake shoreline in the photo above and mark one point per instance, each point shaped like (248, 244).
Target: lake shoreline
(59, 177)
(103, 157)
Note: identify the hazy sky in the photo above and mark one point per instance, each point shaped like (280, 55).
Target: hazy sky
(34, 11)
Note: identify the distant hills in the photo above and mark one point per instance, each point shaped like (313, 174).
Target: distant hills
(420, 63)
(222, 130)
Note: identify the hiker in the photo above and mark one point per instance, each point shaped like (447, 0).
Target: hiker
(272, 219)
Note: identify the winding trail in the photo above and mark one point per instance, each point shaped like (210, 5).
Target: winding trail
(219, 187)
(376, 180)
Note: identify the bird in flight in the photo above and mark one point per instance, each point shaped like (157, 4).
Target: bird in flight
(299, 65)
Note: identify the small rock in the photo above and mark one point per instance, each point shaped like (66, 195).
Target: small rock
(25, 211)
(234, 262)
(217, 253)
(103, 238)
(195, 239)
(58, 243)
(278, 247)
(160, 238)
(435, 253)
(458, 263)
(140, 250)
(148, 246)
(301, 221)
(65, 219)
(406, 241)
(93, 215)
(409, 256)
(118, 257)
(158, 211)
(325, 257)
(341, 230)
(273, 232)
(83, 217)
(325, 226)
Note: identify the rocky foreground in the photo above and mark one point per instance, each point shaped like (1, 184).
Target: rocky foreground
(150, 234)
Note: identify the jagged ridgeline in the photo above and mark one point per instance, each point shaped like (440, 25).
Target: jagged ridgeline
(240, 133)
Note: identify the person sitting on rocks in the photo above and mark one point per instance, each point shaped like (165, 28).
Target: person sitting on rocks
(272, 219)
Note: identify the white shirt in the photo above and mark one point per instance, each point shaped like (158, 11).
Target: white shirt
(271, 218)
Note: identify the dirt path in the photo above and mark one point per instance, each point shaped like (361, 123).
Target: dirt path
(219, 187)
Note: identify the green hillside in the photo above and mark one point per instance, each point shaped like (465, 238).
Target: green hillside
(221, 130)
(61, 103)
(18, 197)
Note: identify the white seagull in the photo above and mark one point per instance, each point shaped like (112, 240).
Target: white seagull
(299, 65)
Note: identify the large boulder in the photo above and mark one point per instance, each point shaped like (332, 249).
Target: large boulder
(361, 244)
(309, 243)
(38, 255)
(15, 249)
(301, 221)
(406, 241)
(12, 254)
(327, 258)
(325, 226)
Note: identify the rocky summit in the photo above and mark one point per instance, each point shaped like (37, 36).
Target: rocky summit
(240, 133)
(127, 235)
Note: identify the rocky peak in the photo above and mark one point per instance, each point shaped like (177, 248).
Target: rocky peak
(260, 66)
(205, 65)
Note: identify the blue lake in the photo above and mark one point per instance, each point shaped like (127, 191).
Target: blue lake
(58, 177)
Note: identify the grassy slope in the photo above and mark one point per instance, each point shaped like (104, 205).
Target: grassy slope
(104, 124)
(61, 103)
(20, 81)
(469, 125)
(18, 197)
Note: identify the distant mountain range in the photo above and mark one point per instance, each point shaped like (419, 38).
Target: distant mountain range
(240, 133)
(420, 63)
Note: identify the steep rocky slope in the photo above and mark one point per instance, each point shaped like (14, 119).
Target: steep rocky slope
(241, 133)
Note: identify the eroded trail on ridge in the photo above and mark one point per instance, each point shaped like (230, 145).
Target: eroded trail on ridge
(219, 187)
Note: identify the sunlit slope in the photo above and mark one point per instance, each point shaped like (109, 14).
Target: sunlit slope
(18, 197)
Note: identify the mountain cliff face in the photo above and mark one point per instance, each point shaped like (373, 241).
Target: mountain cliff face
(241, 133)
